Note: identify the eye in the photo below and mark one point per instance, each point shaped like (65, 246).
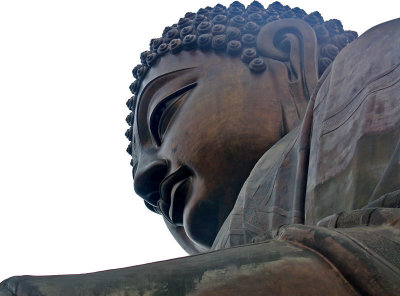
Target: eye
(165, 111)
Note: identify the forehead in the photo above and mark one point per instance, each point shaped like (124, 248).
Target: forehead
(209, 70)
(195, 62)
(173, 72)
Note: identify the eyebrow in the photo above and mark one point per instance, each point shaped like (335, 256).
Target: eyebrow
(165, 78)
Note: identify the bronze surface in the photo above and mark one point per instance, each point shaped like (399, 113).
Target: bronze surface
(291, 180)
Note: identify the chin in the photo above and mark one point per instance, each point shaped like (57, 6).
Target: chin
(201, 223)
(200, 234)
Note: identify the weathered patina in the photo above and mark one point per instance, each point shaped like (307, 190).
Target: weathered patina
(285, 166)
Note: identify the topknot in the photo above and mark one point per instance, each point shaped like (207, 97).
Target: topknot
(233, 30)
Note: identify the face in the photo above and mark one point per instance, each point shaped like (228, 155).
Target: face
(202, 122)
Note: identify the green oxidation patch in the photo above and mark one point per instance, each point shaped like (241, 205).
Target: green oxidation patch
(216, 277)
(152, 289)
(231, 276)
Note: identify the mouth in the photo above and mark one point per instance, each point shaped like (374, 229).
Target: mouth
(174, 190)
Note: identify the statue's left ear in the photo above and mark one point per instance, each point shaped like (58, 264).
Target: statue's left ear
(293, 42)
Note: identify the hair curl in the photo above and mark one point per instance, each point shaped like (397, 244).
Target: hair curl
(233, 30)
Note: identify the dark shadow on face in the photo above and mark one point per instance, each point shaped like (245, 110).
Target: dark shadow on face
(203, 120)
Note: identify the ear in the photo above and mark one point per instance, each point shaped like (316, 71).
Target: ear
(293, 42)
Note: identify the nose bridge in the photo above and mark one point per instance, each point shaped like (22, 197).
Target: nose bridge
(150, 172)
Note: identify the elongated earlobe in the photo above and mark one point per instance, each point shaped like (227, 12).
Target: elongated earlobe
(293, 42)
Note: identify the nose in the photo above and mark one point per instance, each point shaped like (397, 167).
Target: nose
(148, 179)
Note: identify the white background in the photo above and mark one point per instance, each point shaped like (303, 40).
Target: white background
(66, 197)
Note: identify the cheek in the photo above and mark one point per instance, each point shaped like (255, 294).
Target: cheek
(191, 140)
(219, 145)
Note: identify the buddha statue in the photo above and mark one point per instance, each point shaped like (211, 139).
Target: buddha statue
(253, 91)
(271, 131)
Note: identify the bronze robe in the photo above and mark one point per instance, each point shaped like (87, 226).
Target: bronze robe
(333, 183)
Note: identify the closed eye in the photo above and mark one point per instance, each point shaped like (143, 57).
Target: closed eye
(165, 111)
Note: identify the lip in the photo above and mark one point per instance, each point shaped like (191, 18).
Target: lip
(174, 190)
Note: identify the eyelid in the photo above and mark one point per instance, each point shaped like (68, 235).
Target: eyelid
(148, 92)
(156, 115)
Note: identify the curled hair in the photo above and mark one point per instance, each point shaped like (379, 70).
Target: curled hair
(189, 42)
(251, 28)
(237, 21)
(184, 22)
(155, 43)
(204, 41)
(234, 47)
(233, 30)
(172, 34)
(220, 19)
(151, 59)
(248, 55)
(233, 33)
(257, 18)
(218, 29)
(162, 49)
(175, 46)
(142, 71)
(249, 40)
(204, 27)
(257, 65)
(218, 10)
(186, 31)
(198, 19)
(219, 42)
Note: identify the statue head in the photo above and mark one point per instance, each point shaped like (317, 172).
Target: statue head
(211, 96)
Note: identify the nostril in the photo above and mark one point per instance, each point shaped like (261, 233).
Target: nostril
(148, 179)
